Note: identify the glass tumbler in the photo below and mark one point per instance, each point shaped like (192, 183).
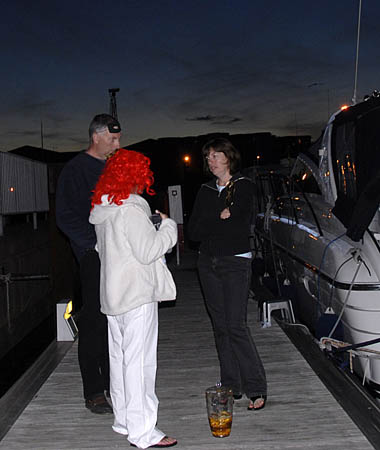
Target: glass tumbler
(219, 401)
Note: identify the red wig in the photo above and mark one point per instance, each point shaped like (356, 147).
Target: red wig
(126, 172)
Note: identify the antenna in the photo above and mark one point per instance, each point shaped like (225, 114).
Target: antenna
(357, 53)
(113, 107)
(42, 134)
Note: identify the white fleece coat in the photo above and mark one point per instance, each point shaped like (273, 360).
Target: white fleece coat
(133, 269)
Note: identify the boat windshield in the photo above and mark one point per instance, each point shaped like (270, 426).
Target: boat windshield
(303, 177)
(355, 155)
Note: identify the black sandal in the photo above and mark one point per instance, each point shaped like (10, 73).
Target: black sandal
(254, 399)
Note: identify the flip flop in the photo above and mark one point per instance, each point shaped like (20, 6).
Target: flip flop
(253, 399)
(159, 445)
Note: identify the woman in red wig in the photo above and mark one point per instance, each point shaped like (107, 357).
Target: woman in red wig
(133, 278)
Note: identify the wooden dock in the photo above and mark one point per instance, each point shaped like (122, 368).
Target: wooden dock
(300, 413)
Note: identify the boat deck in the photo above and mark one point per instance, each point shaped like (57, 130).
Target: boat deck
(300, 413)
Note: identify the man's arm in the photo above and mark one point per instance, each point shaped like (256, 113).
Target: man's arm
(73, 209)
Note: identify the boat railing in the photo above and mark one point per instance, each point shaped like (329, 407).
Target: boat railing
(9, 278)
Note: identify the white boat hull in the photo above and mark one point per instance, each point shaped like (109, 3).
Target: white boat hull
(324, 276)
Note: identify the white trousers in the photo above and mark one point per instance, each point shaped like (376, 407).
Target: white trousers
(133, 363)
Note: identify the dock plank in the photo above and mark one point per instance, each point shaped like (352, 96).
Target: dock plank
(300, 413)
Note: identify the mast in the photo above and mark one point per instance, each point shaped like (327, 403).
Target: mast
(357, 54)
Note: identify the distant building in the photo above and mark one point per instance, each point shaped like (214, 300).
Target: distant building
(23, 187)
(54, 161)
(291, 146)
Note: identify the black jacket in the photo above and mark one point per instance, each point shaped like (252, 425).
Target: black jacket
(223, 237)
(73, 201)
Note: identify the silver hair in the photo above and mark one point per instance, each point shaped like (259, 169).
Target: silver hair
(99, 124)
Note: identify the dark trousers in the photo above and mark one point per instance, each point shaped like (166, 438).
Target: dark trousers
(93, 331)
(225, 282)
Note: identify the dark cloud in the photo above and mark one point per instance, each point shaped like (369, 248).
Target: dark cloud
(215, 120)
(202, 119)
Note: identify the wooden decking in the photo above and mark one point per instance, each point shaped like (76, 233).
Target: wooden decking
(300, 413)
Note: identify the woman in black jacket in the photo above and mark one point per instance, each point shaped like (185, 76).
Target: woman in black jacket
(220, 221)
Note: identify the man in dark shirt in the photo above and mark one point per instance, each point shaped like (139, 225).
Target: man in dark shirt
(73, 203)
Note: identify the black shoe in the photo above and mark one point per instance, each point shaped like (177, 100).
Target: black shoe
(99, 405)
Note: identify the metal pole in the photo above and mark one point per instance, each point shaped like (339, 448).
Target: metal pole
(7, 281)
(113, 106)
(42, 135)
(357, 54)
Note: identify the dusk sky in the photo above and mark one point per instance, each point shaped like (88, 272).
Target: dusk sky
(183, 67)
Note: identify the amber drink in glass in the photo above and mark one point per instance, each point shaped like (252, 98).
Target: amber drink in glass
(219, 401)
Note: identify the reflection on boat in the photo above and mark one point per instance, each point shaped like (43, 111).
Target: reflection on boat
(319, 226)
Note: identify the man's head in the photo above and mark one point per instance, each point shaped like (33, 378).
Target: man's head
(104, 133)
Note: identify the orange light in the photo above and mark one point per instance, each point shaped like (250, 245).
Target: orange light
(304, 176)
(258, 157)
(186, 158)
(344, 107)
(12, 189)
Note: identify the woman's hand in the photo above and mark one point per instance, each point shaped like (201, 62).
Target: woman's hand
(225, 214)
(162, 215)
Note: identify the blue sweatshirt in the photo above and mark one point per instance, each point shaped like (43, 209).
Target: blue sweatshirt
(73, 201)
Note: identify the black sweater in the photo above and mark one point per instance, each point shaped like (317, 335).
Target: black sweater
(73, 201)
(222, 237)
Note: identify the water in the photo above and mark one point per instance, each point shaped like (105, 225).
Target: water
(18, 360)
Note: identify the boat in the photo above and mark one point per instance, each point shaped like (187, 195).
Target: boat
(318, 229)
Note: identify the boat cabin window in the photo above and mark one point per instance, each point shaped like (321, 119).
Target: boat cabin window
(355, 156)
(345, 164)
(304, 180)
